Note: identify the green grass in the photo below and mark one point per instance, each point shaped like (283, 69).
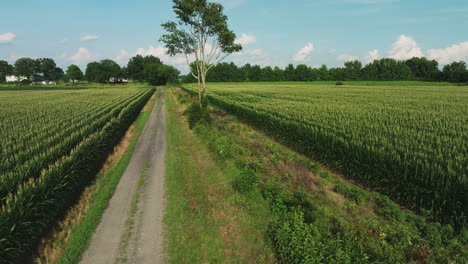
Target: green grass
(315, 215)
(82, 233)
(206, 221)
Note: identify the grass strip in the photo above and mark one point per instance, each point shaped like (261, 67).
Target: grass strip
(206, 220)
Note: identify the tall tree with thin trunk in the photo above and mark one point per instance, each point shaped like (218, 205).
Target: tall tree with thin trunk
(201, 32)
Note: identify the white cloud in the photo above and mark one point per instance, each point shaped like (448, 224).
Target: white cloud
(456, 52)
(246, 39)
(123, 57)
(64, 41)
(332, 51)
(7, 37)
(405, 48)
(347, 57)
(160, 52)
(89, 38)
(372, 55)
(81, 57)
(256, 52)
(304, 52)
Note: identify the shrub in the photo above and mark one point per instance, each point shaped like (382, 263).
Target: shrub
(339, 83)
(245, 182)
(197, 113)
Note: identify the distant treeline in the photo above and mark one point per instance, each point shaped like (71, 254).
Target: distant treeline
(144, 69)
(420, 69)
(151, 69)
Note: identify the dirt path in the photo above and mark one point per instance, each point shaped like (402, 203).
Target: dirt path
(131, 227)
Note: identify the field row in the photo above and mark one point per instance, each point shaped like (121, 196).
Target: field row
(408, 142)
(42, 178)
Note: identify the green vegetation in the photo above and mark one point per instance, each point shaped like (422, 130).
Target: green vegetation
(407, 142)
(310, 214)
(201, 31)
(50, 152)
(416, 69)
(206, 221)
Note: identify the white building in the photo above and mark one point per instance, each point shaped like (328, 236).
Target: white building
(12, 78)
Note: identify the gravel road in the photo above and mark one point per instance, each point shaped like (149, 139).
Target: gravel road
(132, 232)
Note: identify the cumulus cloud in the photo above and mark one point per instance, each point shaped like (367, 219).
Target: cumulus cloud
(405, 48)
(456, 52)
(347, 57)
(246, 39)
(256, 52)
(7, 37)
(372, 55)
(89, 38)
(160, 52)
(81, 57)
(123, 57)
(304, 52)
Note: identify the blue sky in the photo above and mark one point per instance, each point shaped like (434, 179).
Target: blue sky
(273, 32)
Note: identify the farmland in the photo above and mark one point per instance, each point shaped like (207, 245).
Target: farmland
(408, 142)
(53, 143)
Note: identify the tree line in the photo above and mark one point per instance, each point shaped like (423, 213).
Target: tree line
(151, 69)
(420, 69)
(143, 69)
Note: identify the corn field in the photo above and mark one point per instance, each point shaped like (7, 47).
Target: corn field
(53, 143)
(408, 142)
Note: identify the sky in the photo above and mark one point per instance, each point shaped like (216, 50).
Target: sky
(272, 32)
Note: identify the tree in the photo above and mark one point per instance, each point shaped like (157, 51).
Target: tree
(136, 66)
(200, 23)
(94, 72)
(255, 74)
(26, 67)
(5, 70)
(323, 73)
(57, 74)
(160, 74)
(303, 73)
(278, 74)
(455, 72)
(352, 70)
(290, 73)
(110, 69)
(422, 68)
(47, 69)
(74, 73)
(387, 70)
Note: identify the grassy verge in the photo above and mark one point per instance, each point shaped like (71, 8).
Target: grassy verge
(106, 185)
(315, 215)
(206, 220)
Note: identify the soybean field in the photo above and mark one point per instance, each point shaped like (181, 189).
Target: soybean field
(408, 142)
(53, 142)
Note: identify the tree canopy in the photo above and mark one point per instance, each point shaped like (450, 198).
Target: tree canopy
(74, 73)
(5, 70)
(201, 32)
